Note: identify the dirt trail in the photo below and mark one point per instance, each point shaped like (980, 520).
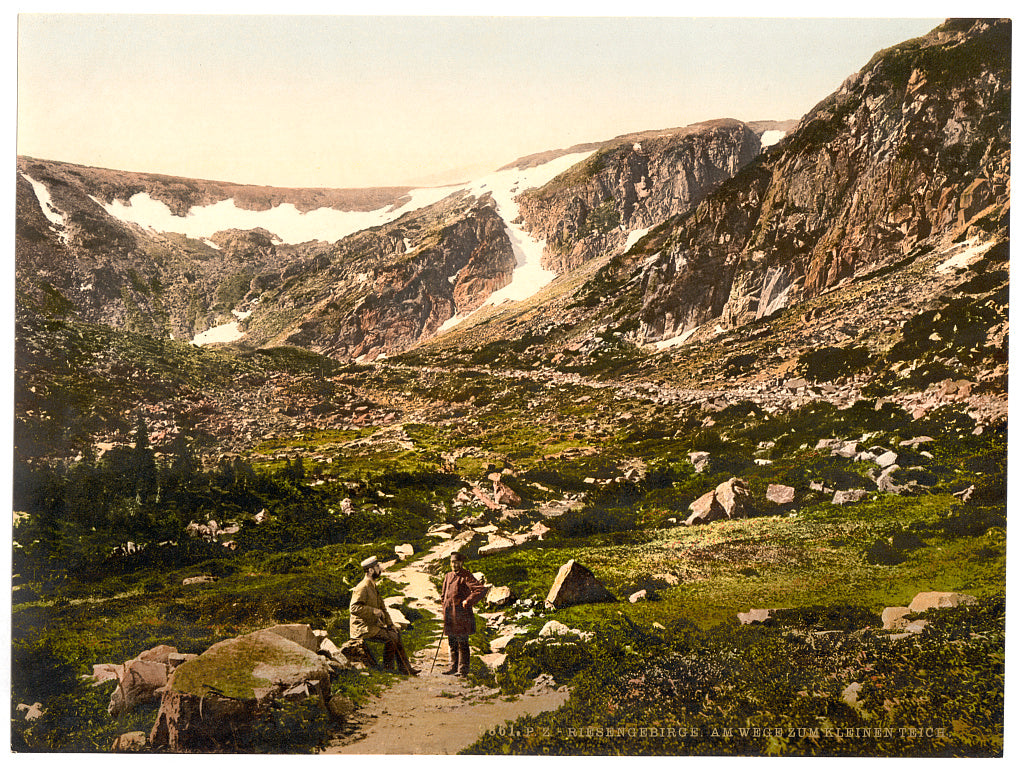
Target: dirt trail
(433, 713)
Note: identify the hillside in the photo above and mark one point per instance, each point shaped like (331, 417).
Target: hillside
(756, 389)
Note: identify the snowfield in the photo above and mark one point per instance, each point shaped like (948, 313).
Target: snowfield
(768, 138)
(289, 225)
(285, 221)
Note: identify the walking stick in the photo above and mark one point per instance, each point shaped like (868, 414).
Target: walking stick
(439, 640)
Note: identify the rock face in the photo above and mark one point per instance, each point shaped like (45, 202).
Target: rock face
(915, 143)
(229, 686)
(632, 184)
(575, 584)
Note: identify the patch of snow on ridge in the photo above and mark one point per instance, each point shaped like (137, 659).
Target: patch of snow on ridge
(768, 138)
(51, 212)
(528, 277)
(285, 220)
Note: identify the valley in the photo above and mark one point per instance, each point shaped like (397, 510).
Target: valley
(752, 376)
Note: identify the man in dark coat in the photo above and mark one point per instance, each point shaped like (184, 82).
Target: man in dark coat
(459, 593)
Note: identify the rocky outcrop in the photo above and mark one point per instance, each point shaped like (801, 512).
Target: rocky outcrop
(232, 684)
(633, 183)
(914, 145)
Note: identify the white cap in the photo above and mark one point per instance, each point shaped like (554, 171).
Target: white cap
(365, 563)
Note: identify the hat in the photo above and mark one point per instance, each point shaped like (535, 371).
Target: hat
(367, 563)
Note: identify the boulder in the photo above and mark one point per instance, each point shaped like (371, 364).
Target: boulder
(175, 659)
(500, 596)
(104, 672)
(140, 683)
(845, 496)
(404, 551)
(160, 654)
(499, 644)
(33, 712)
(226, 689)
(496, 544)
(300, 633)
(759, 615)
(930, 600)
(134, 741)
(355, 653)
(700, 460)
(886, 459)
(895, 618)
(554, 628)
(504, 495)
(575, 584)
(468, 542)
(341, 706)
(639, 596)
(493, 660)
(729, 500)
(780, 494)
(198, 579)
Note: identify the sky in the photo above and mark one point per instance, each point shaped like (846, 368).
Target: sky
(358, 101)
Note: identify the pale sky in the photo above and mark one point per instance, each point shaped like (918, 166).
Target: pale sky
(350, 101)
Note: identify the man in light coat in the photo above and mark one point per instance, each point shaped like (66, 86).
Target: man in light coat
(369, 618)
(459, 592)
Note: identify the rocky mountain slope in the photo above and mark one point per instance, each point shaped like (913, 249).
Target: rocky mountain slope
(176, 257)
(914, 148)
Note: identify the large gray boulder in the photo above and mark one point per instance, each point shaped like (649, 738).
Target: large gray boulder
(230, 686)
(575, 584)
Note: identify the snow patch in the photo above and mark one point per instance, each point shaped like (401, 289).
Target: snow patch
(963, 259)
(51, 212)
(768, 138)
(528, 277)
(228, 332)
(285, 221)
(679, 339)
(633, 237)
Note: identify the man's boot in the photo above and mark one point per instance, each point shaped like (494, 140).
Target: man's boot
(463, 647)
(404, 665)
(388, 660)
(453, 653)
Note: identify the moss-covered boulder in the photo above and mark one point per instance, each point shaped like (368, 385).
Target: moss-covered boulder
(231, 686)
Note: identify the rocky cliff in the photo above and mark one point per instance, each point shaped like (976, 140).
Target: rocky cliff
(383, 289)
(912, 150)
(633, 183)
